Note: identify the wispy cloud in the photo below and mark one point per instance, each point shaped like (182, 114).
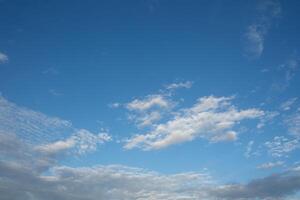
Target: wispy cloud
(287, 72)
(55, 92)
(293, 124)
(249, 149)
(178, 85)
(3, 58)
(270, 165)
(285, 106)
(51, 71)
(211, 118)
(255, 34)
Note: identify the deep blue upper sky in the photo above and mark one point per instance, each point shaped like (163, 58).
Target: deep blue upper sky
(109, 66)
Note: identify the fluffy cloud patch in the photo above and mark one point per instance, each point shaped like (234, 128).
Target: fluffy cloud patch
(211, 118)
(149, 102)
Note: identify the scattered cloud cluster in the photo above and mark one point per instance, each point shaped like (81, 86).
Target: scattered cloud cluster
(280, 146)
(19, 181)
(255, 34)
(211, 118)
(26, 173)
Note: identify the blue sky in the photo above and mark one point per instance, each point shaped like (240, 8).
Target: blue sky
(200, 97)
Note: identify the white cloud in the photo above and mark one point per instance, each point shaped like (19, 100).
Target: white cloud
(82, 141)
(31, 125)
(148, 110)
(255, 34)
(211, 118)
(173, 86)
(280, 146)
(22, 176)
(254, 37)
(270, 165)
(288, 104)
(3, 58)
(149, 102)
(46, 132)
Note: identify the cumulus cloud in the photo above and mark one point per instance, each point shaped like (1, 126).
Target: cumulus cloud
(211, 118)
(3, 58)
(149, 102)
(255, 34)
(150, 109)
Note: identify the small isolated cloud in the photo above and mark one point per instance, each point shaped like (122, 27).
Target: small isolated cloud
(149, 102)
(285, 106)
(178, 85)
(3, 58)
(55, 92)
(211, 118)
(249, 147)
(255, 34)
(270, 165)
(281, 146)
(51, 71)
